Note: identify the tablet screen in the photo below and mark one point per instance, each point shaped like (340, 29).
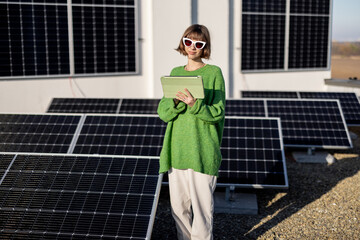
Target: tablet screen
(173, 84)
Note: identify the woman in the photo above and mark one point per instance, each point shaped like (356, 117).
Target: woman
(191, 148)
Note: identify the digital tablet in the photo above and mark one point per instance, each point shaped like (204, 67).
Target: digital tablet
(173, 84)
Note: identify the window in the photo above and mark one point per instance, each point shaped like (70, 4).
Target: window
(269, 26)
(49, 38)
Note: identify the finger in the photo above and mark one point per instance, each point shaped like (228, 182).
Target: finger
(188, 93)
(181, 95)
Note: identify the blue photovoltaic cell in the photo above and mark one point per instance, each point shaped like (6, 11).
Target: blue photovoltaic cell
(79, 197)
(253, 154)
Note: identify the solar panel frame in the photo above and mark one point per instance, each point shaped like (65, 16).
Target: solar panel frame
(26, 210)
(255, 185)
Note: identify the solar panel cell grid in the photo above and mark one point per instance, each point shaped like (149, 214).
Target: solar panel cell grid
(252, 153)
(310, 123)
(51, 196)
(263, 38)
(139, 106)
(309, 37)
(104, 39)
(30, 39)
(121, 135)
(244, 107)
(84, 105)
(272, 6)
(268, 94)
(350, 104)
(37, 133)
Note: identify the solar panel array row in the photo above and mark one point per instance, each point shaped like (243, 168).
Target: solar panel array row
(142, 135)
(103, 105)
(305, 123)
(350, 104)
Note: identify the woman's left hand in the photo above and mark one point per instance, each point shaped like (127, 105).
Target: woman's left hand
(186, 97)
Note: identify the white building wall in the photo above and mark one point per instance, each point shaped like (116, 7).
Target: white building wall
(214, 14)
(170, 19)
(162, 23)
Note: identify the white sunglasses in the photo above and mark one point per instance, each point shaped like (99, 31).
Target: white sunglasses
(198, 44)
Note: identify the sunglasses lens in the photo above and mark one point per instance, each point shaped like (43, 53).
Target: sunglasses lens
(199, 45)
(187, 42)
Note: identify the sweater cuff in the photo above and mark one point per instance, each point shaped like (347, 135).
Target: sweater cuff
(196, 107)
(179, 107)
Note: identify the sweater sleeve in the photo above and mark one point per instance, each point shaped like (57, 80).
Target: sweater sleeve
(215, 112)
(168, 111)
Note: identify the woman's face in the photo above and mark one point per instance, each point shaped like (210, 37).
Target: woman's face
(193, 53)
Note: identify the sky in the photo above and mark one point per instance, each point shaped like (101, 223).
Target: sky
(346, 20)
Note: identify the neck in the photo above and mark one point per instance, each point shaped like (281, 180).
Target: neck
(194, 65)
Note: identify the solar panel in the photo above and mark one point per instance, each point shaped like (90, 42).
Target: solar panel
(140, 135)
(34, 38)
(245, 107)
(139, 106)
(43, 133)
(350, 104)
(305, 123)
(268, 26)
(263, 39)
(253, 154)
(84, 105)
(268, 94)
(105, 37)
(309, 41)
(79, 197)
(310, 123)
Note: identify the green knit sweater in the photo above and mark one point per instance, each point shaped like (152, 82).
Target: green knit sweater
(193, 134)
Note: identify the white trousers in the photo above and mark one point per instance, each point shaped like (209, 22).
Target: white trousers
(192, 189)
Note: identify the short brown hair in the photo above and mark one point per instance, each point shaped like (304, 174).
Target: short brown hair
(196, 32)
